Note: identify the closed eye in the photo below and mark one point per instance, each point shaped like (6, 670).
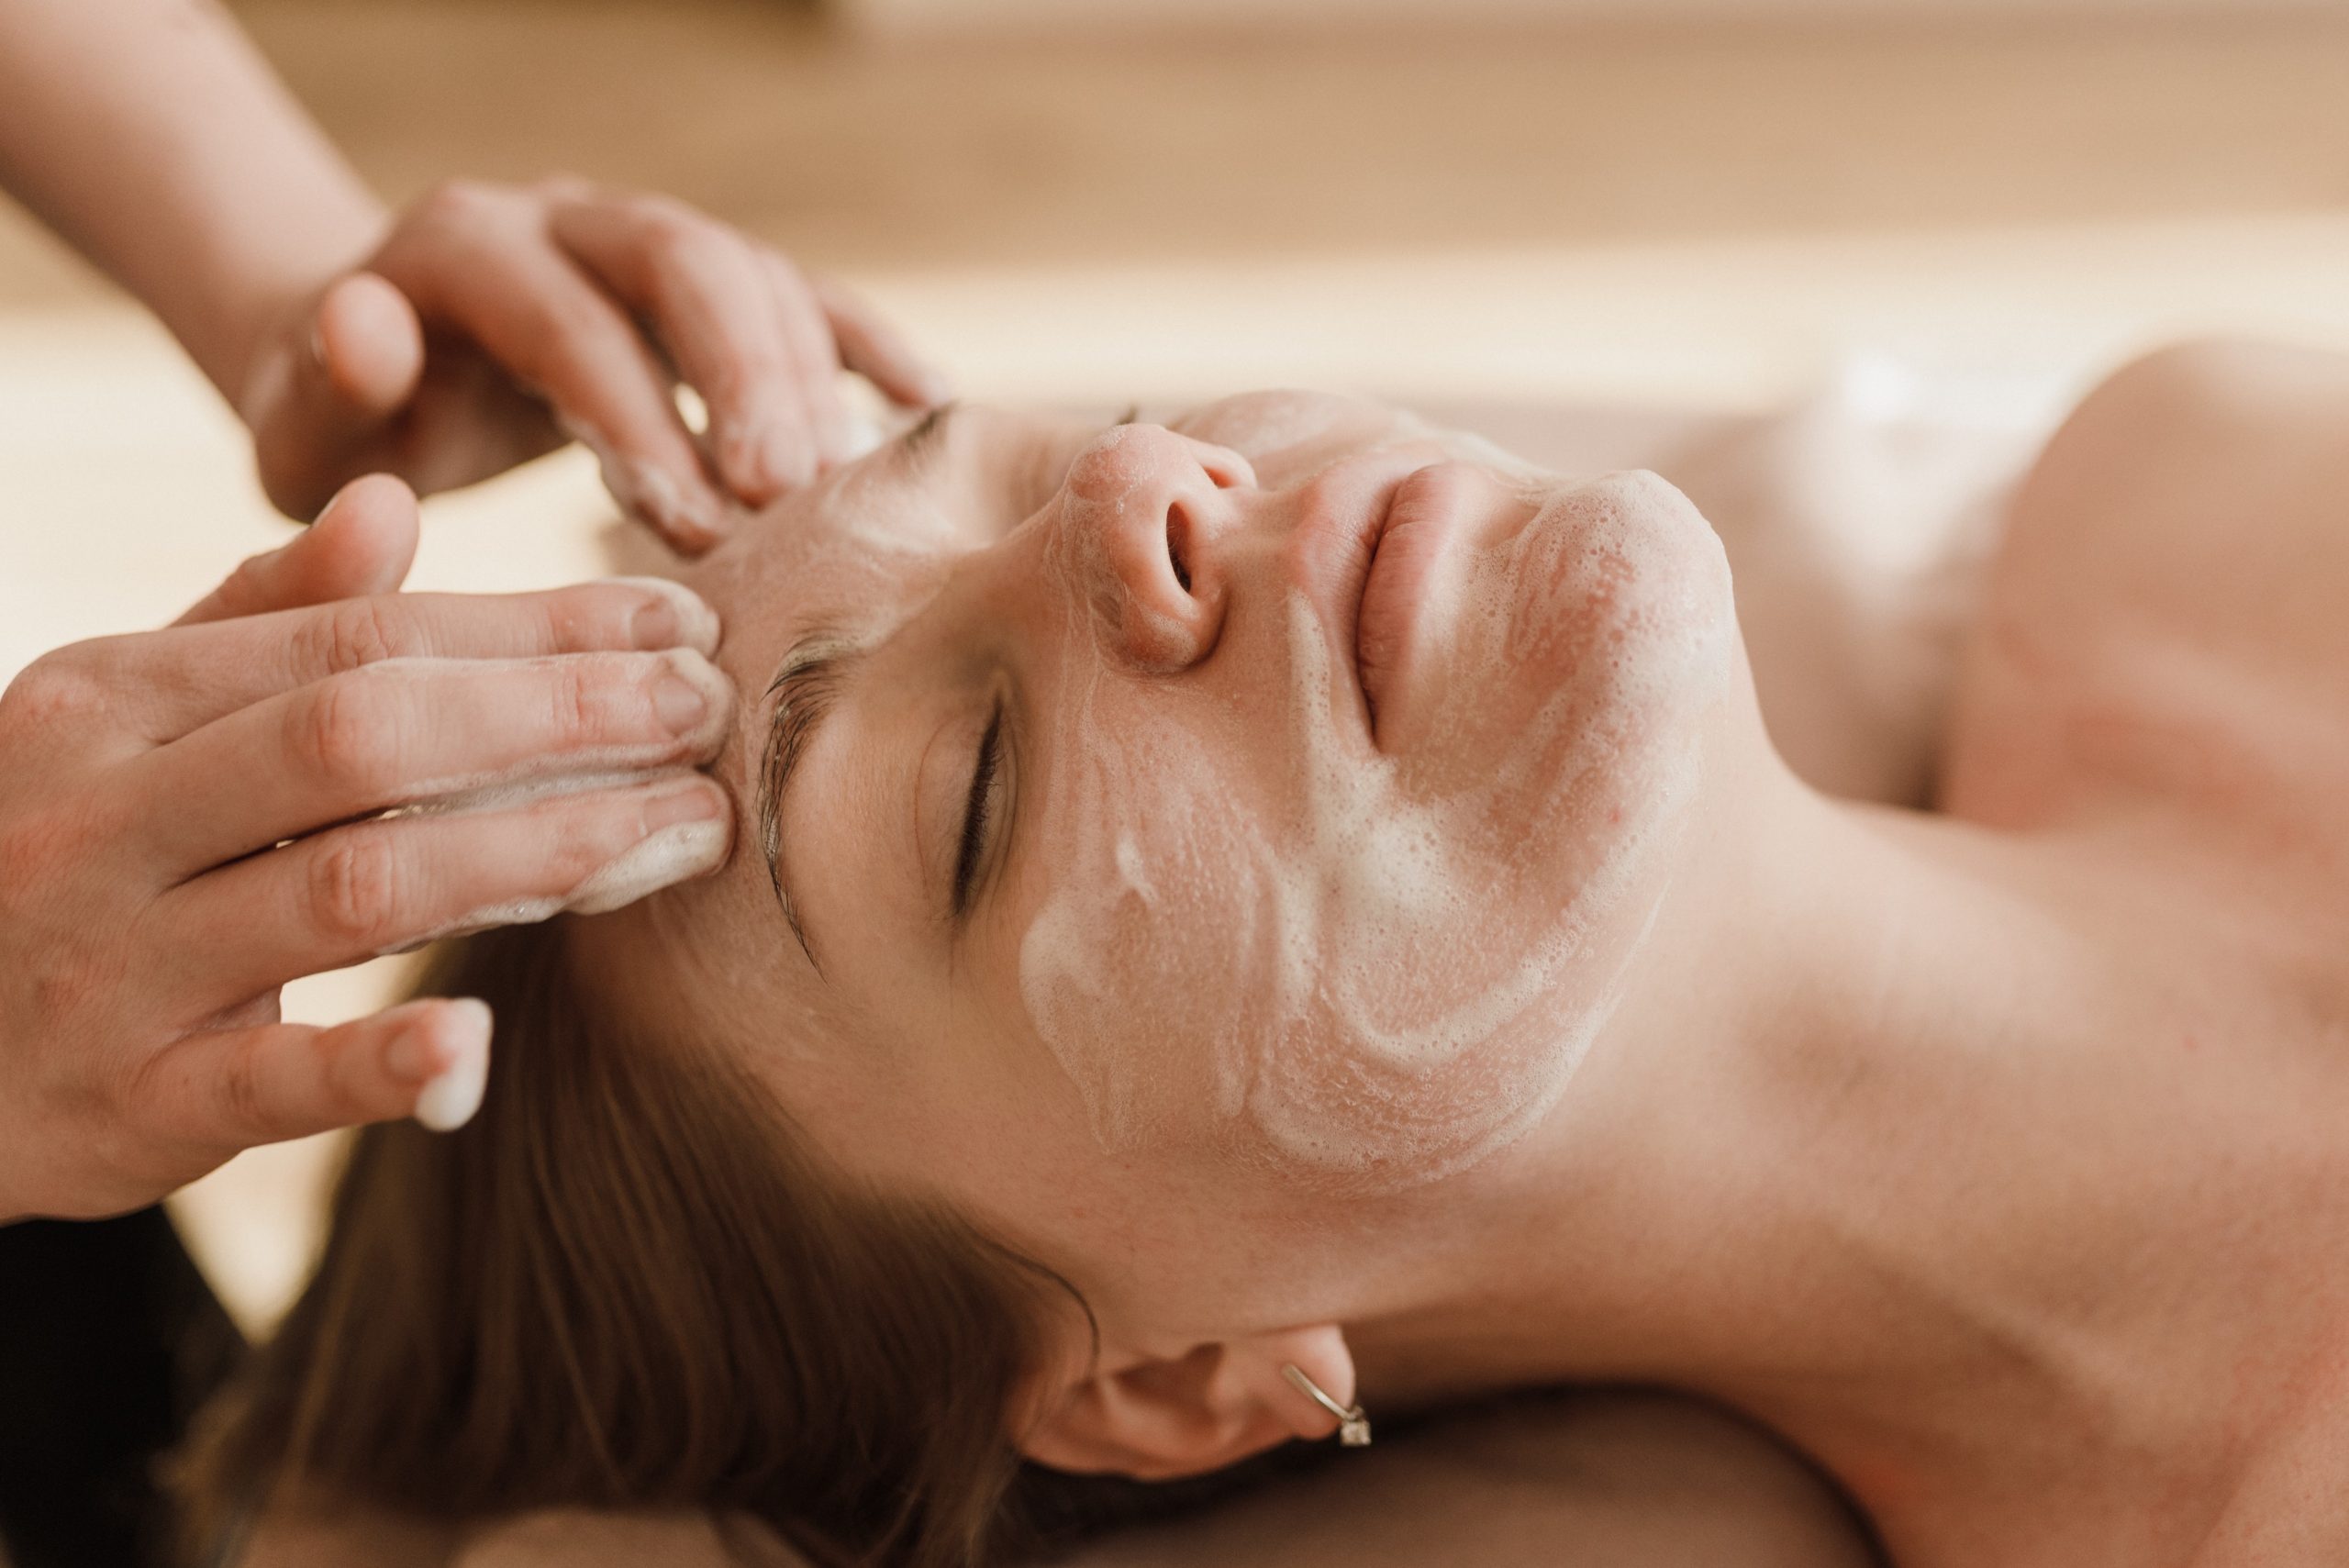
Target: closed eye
(977, 810)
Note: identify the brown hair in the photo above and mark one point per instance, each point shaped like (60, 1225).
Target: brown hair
(629, 1284)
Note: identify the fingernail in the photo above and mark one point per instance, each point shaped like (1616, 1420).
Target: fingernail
(676, 616)
(451, 1096)
(680, 703)
(685, 834)
(411, 1054)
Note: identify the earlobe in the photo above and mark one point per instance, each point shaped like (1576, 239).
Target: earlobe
(1157, 1418)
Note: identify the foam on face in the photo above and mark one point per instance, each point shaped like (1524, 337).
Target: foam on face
(1391, 968)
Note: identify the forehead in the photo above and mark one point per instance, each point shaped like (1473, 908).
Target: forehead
(863, 548)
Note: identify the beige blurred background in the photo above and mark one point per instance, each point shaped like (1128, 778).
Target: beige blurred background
(1698, 206)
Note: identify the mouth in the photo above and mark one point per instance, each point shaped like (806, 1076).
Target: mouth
(1354, 591)
(1367, 552)
(1423, 515)
(1334, 546)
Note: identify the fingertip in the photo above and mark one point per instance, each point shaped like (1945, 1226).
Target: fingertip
(743, 451)
(370, 343)
(687, 514)
(364, 541)
(370, 502)
(676, 618)
(458, 1030)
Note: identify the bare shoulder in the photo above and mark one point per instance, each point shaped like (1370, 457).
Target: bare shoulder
(1582, 1481)
(2172, 575)
(2215, 457)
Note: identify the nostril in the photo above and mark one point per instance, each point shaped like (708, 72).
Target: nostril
(1178, 525)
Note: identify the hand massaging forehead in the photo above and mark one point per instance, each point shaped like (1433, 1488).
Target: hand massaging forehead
(1229, 915)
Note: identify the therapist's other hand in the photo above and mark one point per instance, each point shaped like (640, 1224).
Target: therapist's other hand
(494, 321)
(190, 817)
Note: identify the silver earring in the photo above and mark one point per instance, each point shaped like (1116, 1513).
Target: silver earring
(1353, 1427)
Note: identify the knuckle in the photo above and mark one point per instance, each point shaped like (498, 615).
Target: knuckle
(354, 634)
(355, 890)
(347, 734)
(578, 702)
(58, 687)
(61, 984)
(244, 1110)
(592, 618)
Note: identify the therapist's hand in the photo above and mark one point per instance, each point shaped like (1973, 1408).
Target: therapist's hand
(495, 322)
(190, 817)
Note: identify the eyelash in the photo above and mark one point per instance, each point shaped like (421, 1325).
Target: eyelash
(975, 810)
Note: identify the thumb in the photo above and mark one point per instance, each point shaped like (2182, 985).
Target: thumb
(353, 368)
(363, 543)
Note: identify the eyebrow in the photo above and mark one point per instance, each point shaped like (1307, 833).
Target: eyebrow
(805, 689)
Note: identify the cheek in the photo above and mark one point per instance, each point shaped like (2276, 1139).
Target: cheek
(1255, 944)
(1127, 969)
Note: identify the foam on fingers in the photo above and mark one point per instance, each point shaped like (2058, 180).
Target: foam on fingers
(453, 1092)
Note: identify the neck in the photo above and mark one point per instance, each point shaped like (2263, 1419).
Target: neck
(1903, 1183)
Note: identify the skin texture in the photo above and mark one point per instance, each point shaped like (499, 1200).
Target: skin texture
(479, 328)
(1990, 1156)
(149, 916)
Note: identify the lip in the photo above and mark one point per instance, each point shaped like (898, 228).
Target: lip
(1424, 513)
(1335, 547)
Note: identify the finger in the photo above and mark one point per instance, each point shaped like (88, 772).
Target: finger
(705, 292)
(363, 543)
(225, 1091)
(415, 730)
(171, 682)
(816, 358)
(327, 411)
(529, 307)
(877, 351)
(393, 884)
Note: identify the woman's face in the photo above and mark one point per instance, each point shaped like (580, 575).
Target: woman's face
(1151, 821)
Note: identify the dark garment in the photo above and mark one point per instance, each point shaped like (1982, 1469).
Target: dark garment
(109, 1339)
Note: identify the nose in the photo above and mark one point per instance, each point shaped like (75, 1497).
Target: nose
(1144, 516)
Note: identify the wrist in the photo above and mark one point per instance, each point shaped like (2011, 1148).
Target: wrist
(265, 292)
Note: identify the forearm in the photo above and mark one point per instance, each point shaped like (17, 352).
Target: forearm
(154, 139)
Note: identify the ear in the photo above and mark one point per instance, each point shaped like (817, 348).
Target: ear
(1156, 1418)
